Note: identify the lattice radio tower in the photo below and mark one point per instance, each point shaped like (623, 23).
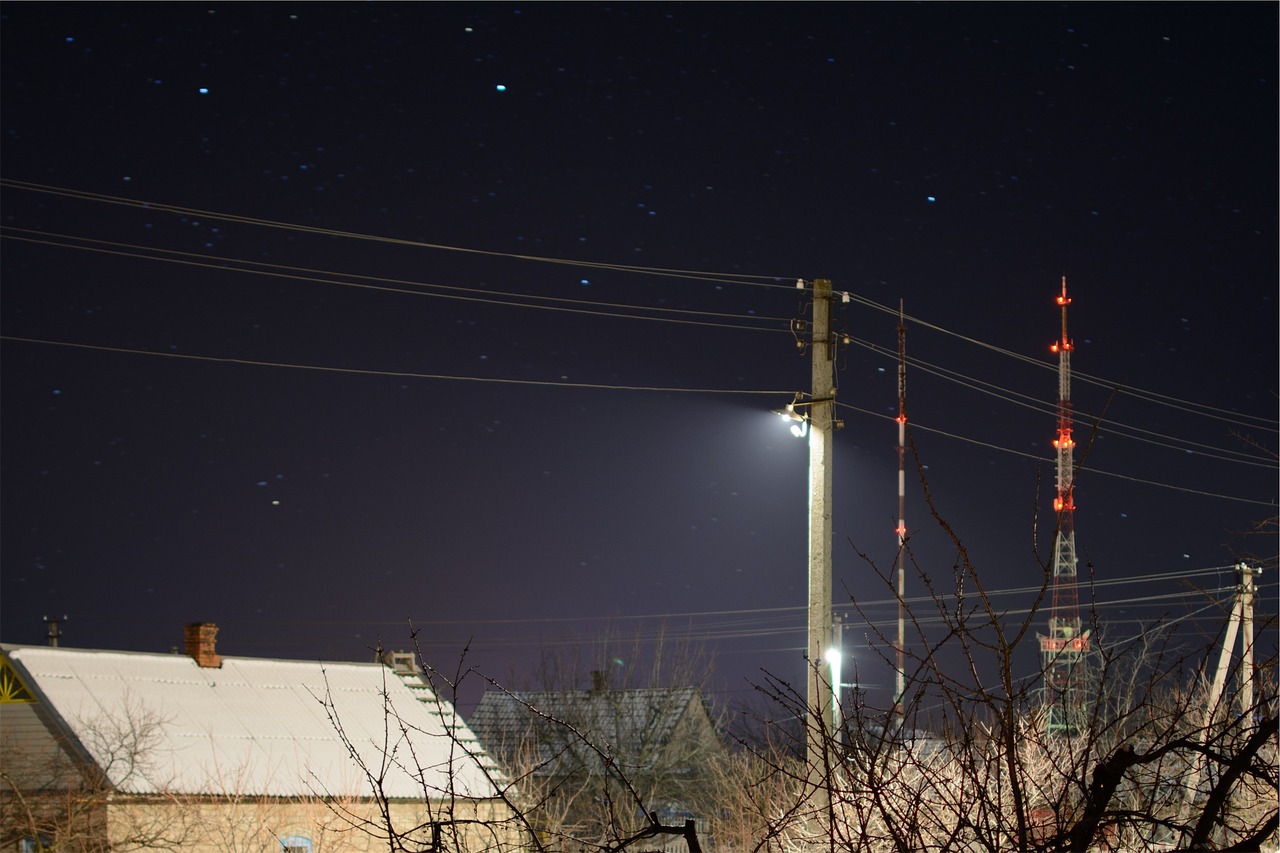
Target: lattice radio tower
(1063, 648)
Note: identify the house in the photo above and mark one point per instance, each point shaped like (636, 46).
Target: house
(590, 763)
(200, 752)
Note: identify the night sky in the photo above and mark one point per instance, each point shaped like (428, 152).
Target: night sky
(318, 319)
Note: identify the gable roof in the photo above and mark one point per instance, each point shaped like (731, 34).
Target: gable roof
(253, 726)
(631, 725)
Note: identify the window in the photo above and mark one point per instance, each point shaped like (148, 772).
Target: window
(296, 844)
(34, 844)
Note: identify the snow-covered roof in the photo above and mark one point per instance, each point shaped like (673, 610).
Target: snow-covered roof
(162, 723)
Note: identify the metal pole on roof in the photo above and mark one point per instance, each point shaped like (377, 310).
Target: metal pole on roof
(55, 629)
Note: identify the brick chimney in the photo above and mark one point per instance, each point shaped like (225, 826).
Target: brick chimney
(202, 643)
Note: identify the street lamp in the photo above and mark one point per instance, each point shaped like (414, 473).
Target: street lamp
(799, 422)
(833, 658)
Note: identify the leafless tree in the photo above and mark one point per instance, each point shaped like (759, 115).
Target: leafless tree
(1151, 758)
(57, 795)
(447, 812)
(615, 741)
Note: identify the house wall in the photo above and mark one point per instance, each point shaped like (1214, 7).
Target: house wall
(334, 826)
(84, 818)
(32, 756)
(695, 739)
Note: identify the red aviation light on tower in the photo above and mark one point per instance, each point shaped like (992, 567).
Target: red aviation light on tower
(1064, 344)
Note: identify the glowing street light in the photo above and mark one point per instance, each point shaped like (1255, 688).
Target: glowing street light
(833, 658)
(799, 422)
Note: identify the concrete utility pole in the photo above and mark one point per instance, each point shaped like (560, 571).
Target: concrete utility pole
(821, 426)
(1240, 622)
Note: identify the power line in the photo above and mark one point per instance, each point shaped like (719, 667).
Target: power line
(725, 278)
(789, 620)
(1188, 407)
(769, 281)
(390, 373)
(326, 277)
(158, 207)
(1111, 427)
(567, 384)
(409, 288)
(1042, 459)
(754, 614)
(610, 310)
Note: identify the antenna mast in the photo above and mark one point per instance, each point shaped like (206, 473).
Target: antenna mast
(1065, 645)
(900, 676)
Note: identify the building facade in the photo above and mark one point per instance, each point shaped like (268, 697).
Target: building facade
(105, 750)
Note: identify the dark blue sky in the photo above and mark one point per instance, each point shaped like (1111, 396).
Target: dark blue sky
(504, 473)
